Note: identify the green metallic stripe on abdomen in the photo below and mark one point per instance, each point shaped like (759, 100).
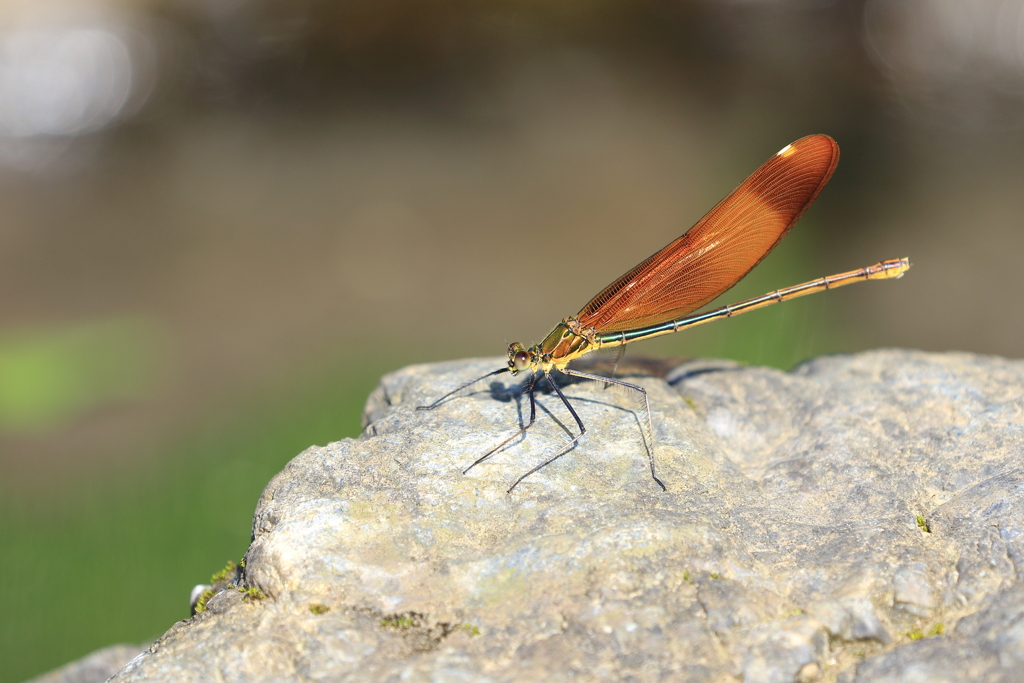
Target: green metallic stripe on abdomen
(894, 268)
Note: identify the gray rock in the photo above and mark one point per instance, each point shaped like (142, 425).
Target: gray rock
(859, 519)
(95, 667)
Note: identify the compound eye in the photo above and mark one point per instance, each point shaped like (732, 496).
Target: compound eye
(521, 360)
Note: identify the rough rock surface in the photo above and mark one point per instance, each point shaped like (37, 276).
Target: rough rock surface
(858, 519)
(95, 667)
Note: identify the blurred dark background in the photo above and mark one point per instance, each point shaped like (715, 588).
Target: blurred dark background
(222, 220)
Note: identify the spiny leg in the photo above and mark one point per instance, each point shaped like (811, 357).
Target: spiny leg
(646, 427)
(533, 418)
(464, 386)
(615, 365)
(566, 447)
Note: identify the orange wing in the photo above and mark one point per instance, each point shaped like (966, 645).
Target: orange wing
(722, 247)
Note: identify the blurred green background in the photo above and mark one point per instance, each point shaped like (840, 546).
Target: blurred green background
(223, 220)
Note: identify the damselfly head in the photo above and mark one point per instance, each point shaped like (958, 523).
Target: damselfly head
(518, 358)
